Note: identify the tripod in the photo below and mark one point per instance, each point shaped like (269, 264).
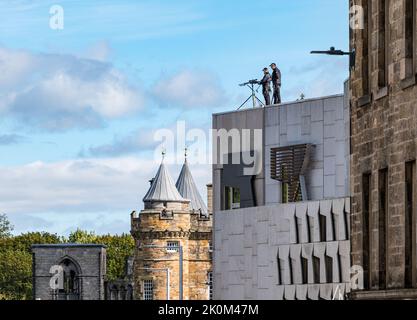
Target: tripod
(251, 85)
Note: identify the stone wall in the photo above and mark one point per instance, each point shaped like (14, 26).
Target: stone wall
(287, 251)
(384, 136)
(193, 233)
(91, 260)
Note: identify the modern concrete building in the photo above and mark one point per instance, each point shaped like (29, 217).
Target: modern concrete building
(384, 149)
(281, 231)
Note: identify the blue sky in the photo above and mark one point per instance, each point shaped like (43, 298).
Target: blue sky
(78, 106)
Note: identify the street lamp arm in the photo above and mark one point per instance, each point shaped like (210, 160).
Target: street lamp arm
(334, 52)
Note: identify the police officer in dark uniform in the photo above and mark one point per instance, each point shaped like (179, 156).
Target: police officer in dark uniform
(276, 82)
(266, 86)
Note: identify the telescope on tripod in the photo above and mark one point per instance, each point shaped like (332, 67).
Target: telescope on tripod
(251, 85)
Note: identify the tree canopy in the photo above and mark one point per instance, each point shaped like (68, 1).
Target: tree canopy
(6, 227)
(16, 256)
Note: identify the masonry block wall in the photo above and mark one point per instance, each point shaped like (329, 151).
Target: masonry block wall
(384, 144)
(192, 232)
(251, 119)
(90, 260)
(288, 251)
(323, 122)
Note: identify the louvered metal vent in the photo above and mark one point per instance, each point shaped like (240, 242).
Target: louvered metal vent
(288, 164)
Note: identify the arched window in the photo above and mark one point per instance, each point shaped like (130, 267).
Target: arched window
(71, 284)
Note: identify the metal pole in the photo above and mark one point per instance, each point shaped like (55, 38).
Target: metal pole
(181, 274)
(180, 249)
(168, 281)
(253, 96)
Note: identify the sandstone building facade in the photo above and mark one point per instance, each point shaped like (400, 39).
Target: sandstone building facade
(173, 241)
(384, 149)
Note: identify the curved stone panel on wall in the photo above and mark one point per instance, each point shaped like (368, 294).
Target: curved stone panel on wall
(287, 251)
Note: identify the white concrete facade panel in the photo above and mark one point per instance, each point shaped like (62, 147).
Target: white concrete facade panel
(278, 258)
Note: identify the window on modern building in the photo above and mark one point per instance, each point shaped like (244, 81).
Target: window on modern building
(304, 270)
(409, 37)
(316, 269)
(409, 222)
(323, 227)
(289, 166)
(232, 198)
(173, 246)
(382, 226)
(210, 285)
(280, 271)
(148, 287)
(290, 266)
(383, 14)
(329, 269)
(366, 209)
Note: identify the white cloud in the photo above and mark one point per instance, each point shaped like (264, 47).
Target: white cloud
(137, 141)
(73, 185)
(326, 77)
(191, 89)
(63, 195)
(59, 92)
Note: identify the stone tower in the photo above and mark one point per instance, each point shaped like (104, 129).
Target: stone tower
(173, 240)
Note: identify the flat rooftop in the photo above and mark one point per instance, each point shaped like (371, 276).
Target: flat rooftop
(340, 95)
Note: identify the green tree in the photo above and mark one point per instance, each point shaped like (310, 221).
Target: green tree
(16, 263)
(82, 237)
(6, 227)
(16, 257)
(119, 248)
(15, 275)
(25, 241)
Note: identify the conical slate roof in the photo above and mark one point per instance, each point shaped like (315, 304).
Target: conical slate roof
(163, 188)
(188, 189)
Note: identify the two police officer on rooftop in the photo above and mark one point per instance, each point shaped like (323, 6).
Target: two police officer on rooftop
(276, 83)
